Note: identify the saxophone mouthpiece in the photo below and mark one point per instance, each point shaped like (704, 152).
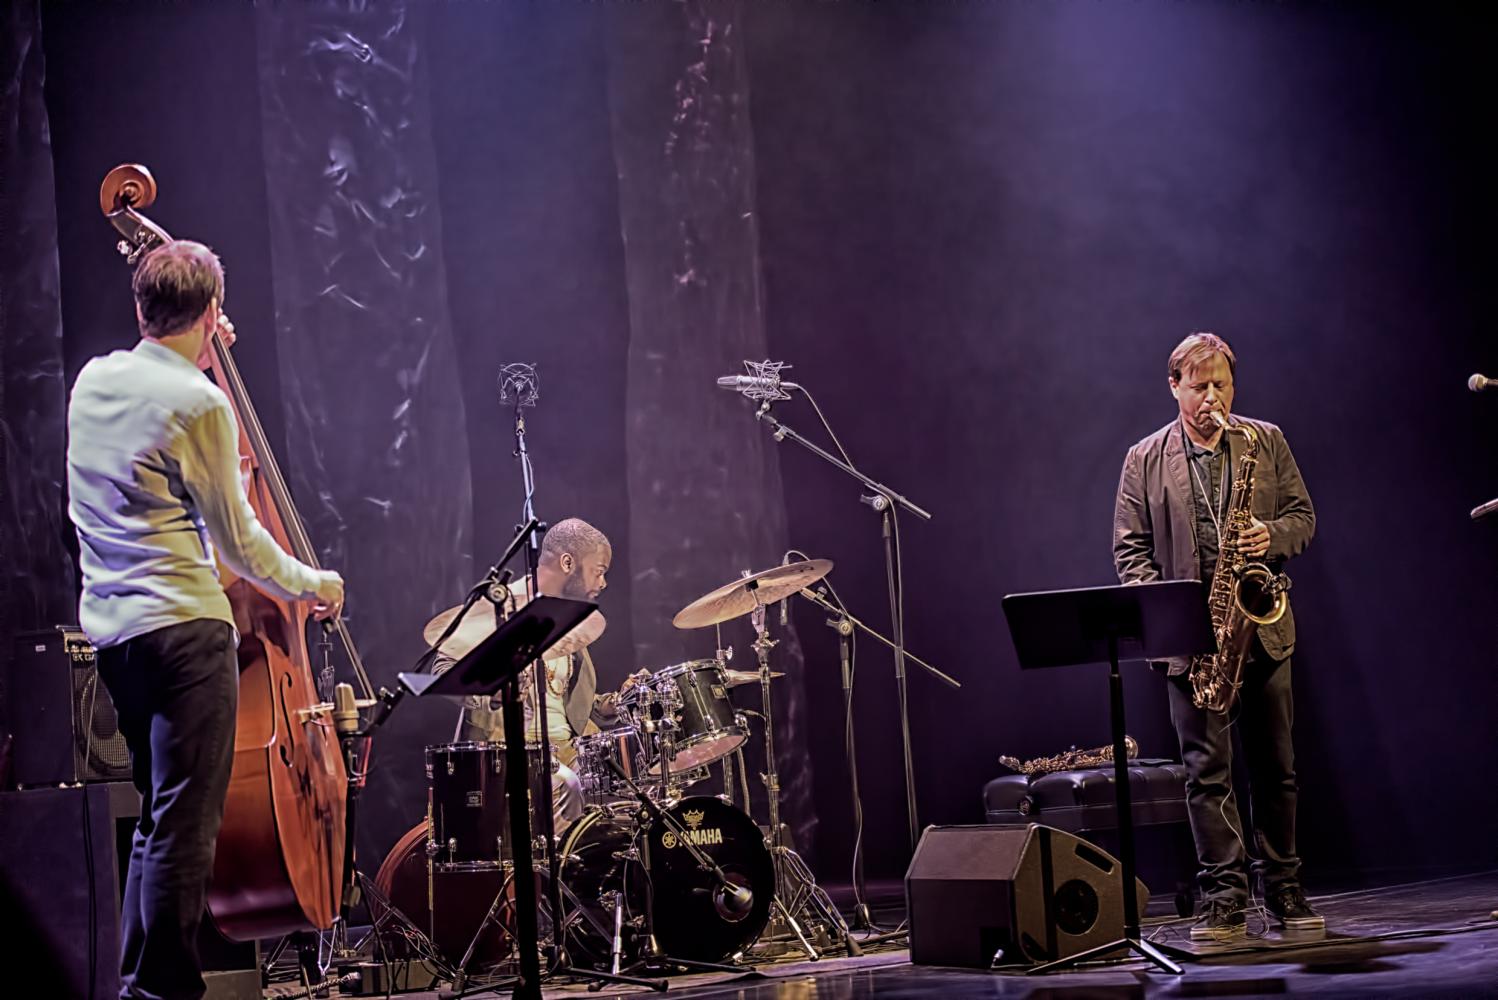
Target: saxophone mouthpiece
(1219, 418)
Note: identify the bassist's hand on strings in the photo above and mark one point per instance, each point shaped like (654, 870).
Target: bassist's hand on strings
(329, 596)
(225, 328)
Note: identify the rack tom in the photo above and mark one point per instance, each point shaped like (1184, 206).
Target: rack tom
(691, 699)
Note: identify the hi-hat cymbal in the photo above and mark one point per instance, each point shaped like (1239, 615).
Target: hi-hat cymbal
(738, 678)
(742, 596)
(479, 624)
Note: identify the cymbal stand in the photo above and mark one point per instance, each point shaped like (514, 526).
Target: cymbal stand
(796, 889)
(733, 762)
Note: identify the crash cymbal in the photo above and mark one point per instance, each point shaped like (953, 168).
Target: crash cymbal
(738, 678)
(741, 596)
(479, 624)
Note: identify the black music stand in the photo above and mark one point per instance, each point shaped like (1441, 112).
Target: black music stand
(491, 666)
(1150, 621)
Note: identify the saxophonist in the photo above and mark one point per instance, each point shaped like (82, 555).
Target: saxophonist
(1168, 524)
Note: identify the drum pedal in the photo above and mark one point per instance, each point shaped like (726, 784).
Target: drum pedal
(778, 938)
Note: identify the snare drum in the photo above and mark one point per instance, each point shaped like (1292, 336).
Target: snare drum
(470, 823)
(695, 697)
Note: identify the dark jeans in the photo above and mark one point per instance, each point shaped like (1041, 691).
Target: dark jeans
(1262, 719)
(176, 691)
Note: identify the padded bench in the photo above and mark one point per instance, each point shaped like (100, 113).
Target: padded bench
(1082, 802)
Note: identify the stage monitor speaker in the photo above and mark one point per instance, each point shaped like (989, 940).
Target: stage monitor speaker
(63, 722)
(977, 896)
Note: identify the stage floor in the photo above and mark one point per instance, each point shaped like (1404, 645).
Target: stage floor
(1432, 939)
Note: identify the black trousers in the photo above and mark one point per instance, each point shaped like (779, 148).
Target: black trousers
(176, 691)
(1262, 719)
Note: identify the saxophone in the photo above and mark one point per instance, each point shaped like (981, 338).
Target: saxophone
(1071, 760)
(1244, 594)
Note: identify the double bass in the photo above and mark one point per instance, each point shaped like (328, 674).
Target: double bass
(279, 863)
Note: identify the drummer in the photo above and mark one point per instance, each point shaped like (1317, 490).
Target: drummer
(574, 563)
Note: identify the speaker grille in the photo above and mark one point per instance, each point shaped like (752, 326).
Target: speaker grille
(98, 747)
(63, 720)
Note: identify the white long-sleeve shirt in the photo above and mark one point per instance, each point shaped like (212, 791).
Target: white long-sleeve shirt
(154, 483)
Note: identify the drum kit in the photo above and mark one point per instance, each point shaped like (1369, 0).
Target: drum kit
(653, 877)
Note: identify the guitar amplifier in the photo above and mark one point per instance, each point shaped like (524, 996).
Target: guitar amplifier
(64, 724)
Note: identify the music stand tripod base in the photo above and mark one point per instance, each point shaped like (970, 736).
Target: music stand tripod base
(1151, 621)
(493, 665)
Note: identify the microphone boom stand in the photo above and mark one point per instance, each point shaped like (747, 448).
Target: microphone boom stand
(527, 900)
(884, 502)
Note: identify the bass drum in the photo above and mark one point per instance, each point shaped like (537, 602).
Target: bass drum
(463, 899)
(599, 861)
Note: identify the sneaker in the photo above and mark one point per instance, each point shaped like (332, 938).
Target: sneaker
(1221, 921)
(1287, 905)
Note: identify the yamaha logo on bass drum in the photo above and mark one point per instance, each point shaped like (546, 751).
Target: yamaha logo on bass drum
(694, 835)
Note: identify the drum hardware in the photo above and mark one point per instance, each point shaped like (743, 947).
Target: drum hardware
(733, 899)
(518, 384)
(798, 899)
(494, 665)
(734, 763)
(796, 889)
(615, 900)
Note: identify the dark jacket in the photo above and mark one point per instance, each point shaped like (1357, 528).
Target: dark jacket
(1154, 522)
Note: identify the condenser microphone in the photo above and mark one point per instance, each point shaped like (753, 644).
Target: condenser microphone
(518, 384)
(345, 710)
(755, 383)
(1479, 383)
(762, 383)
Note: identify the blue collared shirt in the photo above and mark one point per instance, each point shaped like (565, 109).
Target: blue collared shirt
(153, 484)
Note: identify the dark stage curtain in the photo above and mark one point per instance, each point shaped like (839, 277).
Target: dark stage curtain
(36, 570)
(704, 480)
(377, 447)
